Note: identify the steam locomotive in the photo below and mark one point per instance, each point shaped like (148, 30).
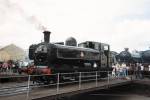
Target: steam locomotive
(58, 58)
(134, 57)
(142, 57)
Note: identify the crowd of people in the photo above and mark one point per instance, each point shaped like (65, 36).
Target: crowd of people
(9, 66)
(122, 70)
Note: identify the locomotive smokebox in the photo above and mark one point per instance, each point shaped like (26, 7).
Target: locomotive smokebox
(46, 36)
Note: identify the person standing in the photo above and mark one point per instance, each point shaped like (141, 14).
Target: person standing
(118, 70)
(114, 70)
(128, 68)
(137, 71)
(5, 66)
(142, 71)
(121, 71)
(148, 67)
(124, 69)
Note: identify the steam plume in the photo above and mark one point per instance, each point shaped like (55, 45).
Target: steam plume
(30, 18)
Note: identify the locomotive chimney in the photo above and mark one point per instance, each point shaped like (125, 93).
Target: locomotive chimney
(126, 49)
(46, 36)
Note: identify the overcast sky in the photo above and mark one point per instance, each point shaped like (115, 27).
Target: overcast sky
(120, 23)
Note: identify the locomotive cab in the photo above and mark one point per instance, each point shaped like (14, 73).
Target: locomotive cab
(104, 51)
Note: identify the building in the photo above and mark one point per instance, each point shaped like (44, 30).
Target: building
(11, 52)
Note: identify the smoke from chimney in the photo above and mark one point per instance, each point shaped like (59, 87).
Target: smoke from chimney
(29, 18)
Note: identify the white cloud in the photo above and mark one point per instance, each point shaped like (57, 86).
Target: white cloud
(133, 34)
(116, 22)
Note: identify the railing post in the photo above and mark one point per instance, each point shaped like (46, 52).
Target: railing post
(80, 80)
(58, 82)
(96, 78)
(28, 88)
(108, 81)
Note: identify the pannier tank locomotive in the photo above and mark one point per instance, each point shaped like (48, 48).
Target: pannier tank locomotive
(58, 58)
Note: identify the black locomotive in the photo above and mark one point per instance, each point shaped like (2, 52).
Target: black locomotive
(134, 57)
(87, 56)
(145, 56)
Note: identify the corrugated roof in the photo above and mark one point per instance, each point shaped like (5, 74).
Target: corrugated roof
(0, 47)
(12, 52)
(4, 56)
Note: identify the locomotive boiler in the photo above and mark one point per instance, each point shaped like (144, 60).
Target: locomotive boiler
(87, 56)
(146, 56)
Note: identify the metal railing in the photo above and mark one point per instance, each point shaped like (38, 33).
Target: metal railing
(60, 80)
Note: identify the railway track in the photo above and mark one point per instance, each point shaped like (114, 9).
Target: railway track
(13, 90)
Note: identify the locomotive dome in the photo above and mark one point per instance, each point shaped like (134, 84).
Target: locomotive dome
(71, 41)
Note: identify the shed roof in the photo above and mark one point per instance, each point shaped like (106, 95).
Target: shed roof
(11, 52)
